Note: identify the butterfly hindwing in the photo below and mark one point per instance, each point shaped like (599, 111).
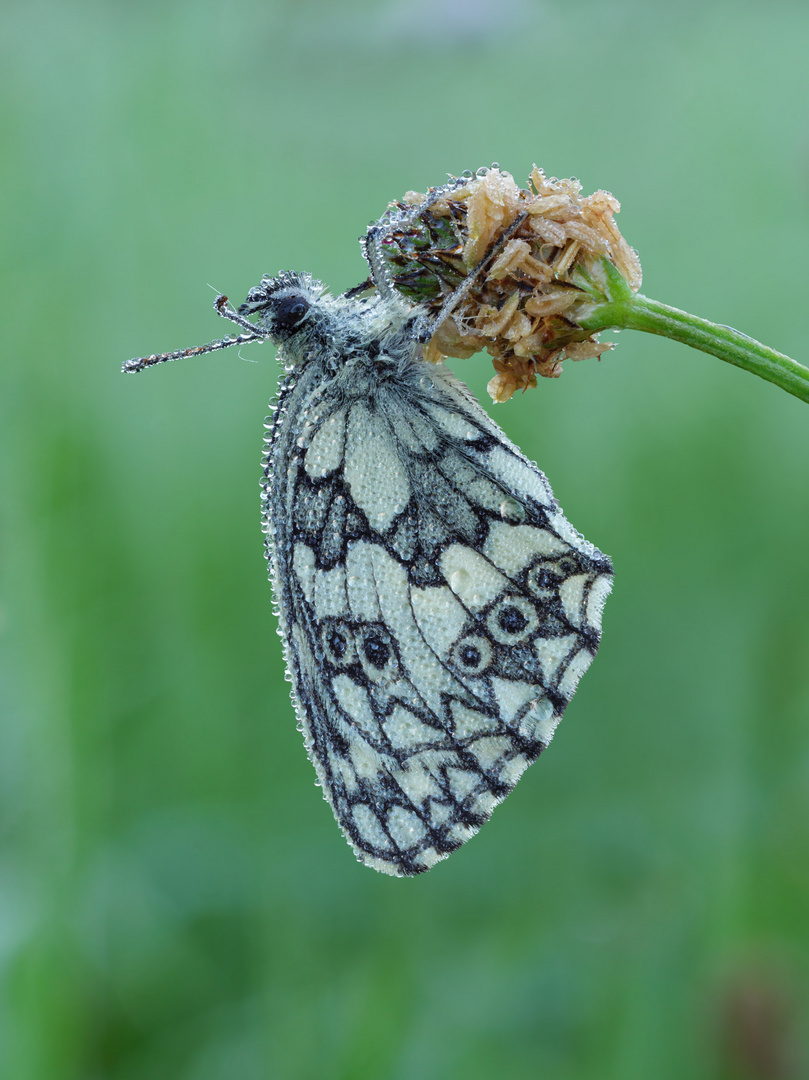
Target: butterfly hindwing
(437, 607)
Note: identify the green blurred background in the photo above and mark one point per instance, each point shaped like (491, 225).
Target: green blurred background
(175, 899)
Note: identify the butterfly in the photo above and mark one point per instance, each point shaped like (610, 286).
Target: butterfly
(435, 606)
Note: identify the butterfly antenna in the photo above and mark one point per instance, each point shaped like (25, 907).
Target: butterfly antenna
(221, 307)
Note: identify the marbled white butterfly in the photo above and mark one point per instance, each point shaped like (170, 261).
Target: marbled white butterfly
(436, 608)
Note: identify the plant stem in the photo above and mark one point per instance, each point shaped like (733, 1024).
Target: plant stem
(637, 312)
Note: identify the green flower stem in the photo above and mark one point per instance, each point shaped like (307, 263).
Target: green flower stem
(636, 312)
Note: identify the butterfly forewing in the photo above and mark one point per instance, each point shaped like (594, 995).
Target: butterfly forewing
(437, 608)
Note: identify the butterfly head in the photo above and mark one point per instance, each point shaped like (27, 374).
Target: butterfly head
(283, 304)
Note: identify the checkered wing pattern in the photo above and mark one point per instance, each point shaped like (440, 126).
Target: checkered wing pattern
(437, 608)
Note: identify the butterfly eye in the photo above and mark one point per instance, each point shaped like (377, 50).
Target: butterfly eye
(289, 312)
(511, 620)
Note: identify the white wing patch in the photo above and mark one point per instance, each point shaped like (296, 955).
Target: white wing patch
(472, 577)
(330, 593)
(303, 563)
(439, 617)
(512, 547)
(363, 598)
(327, 448)
(378, 484)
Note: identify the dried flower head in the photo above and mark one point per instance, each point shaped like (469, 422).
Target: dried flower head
(536, 260)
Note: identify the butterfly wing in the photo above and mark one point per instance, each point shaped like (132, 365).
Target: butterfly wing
(437, 608)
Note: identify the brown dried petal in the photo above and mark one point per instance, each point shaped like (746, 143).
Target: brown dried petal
(602, 202)
(551, 231)
(519, 327)
(550, 366)
(494, 201)
(529, 346)
(587, 350)
(431, 352)
(501, 387)
(450, 340)
(546, 204)
(513, 376)
(509, 259)
(589, 237)
(562, 264)
(496, 323)
(552, 303)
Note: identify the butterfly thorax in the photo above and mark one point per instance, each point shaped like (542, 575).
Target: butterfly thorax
(370, 333)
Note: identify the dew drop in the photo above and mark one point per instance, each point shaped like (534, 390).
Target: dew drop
(460, 581)
(512, 511)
